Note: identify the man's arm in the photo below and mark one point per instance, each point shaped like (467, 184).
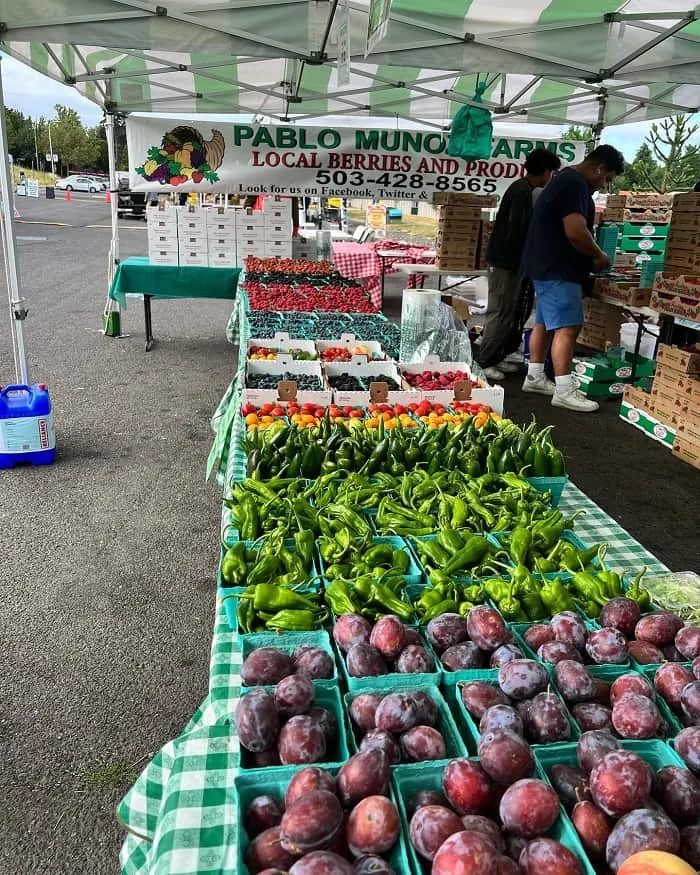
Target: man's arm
(577, 233)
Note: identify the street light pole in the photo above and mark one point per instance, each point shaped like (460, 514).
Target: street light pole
(36, 146)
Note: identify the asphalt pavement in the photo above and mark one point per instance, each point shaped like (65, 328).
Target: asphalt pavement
(108, 557)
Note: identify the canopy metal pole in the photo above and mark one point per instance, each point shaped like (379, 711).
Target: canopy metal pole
(113, 196)
(18, 310)
(600, 124)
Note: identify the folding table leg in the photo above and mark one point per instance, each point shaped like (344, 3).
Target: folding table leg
(149, 324)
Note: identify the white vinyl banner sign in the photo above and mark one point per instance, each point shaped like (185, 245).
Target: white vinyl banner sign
(166, 155)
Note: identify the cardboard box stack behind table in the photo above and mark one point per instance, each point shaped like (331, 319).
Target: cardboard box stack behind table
(642, 219)
(676, 290)
(601, 324)
(265, 234)
(161, 228)
(459, 229)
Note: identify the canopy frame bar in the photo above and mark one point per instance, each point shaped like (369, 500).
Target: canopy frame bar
(647, 47)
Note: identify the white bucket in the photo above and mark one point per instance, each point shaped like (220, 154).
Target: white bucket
(628, 338)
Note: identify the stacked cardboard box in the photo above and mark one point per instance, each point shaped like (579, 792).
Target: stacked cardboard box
(683, 248)
(192, 240)
(601, 324)
(277, 214)
(638, 207)
(677, 295)
(676, 399)
(459, 229)
(486, 231)
(161, 224)
(221, 237)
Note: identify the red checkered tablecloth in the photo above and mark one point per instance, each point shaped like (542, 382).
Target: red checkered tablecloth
(360, 261)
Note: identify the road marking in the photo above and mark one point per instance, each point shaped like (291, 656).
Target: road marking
(42, 222)
(32, 239)
(121, 227)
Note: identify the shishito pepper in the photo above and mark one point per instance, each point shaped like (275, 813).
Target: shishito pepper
(304, 543)
(590, 588)
(293, 621)
(268, 597)
(233, 565)
(520, 544)
(338, 598)
(471, 554)
(556, 597)
(637, 593)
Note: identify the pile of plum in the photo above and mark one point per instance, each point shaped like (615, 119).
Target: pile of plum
(266, 666)
(326, 825)
(474, 825)
(386, 647)
(479, 640)
(402, 724)
(284, 727)
(621, 806)
(520, 708)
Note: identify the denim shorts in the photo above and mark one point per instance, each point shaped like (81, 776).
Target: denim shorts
(558, 304)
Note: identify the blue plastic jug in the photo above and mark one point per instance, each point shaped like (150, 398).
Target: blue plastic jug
(26, 426)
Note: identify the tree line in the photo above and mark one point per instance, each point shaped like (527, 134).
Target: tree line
(666, 161)
(78, 147)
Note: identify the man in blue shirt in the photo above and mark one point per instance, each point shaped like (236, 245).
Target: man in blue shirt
(560, 253)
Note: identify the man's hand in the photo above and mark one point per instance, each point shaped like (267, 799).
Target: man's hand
(601, 262)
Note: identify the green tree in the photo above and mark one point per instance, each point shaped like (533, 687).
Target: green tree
(574, 132)
(669, 141)
(70, 140)
(641, 174)
(20, 137)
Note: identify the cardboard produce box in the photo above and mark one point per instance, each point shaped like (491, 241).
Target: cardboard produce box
(687, 450)
(455, 198)
(678, 359)
(689, 425)
(682, 238)
(461, 391)
(371, 373)
(598, 388)
(666, 412)
(664, 396)
(683, 260)
(286, 389)
(675, 305)
(466, 216)
(685, 221)
(281, 342)
(684, 286)
(644, 199)
(350, 342)
(638, 398)
(615, 365)
(687, 202)
(648, 424)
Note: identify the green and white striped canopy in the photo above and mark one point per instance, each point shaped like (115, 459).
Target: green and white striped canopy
(550, 61)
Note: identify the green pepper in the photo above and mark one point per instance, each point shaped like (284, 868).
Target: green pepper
(233, 566)
(437, 556)
(338, 598)
(557, 465)
(540, 462)
(400, 561)
(465, 607)
(589, 588)
(380, 554)
(533, 606)
(520, 544)
(497, 589)
(637, 593)
(510, 608)
(304, 543)
(291, 620)
(448, 606)
(544, 565)
(383, 596)
(248, 519)
(268, 597)
(556, 597)
(473, 593)
(428, 599)
(337, 570)
(471, 554)
(265, 568)
(478, 508)
(450, 540)
(246, 616)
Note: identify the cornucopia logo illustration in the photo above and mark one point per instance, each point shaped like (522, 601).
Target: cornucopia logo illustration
(184, 156)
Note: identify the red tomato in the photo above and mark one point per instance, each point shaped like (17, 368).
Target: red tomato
(266, 408)
(248, 408)
(399, 409)
(277, 411)
(308, 407)
(357, 414)
(319, 412)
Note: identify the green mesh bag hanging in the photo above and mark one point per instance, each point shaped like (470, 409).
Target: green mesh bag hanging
(472, 128)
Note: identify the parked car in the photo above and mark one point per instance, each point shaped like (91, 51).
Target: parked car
(79, 183)
(134, 203)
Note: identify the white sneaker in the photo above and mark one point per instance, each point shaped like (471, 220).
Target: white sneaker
(574, 400)
(509, 367)
(539, 385)
(494, 374)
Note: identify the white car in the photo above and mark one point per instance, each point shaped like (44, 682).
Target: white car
(79, 183)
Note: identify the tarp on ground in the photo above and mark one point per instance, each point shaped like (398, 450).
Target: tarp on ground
(552, 61)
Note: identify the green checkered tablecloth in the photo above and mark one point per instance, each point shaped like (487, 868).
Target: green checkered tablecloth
(180, 815)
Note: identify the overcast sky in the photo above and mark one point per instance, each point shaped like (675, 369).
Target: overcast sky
(36, 95)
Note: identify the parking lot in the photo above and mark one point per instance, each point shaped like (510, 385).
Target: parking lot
(106, 597)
